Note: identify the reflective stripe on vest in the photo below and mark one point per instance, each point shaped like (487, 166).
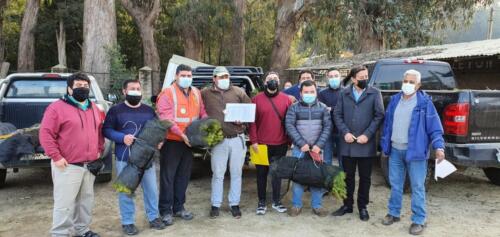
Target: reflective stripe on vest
(174, 97)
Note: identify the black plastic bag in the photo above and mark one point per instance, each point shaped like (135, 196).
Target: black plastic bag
(15, 147)
(204, 133)
(129, 179)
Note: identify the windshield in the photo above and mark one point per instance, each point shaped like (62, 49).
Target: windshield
(434, 77)
(33, 88)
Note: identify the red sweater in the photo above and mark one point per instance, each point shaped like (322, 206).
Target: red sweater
(69, 132)
(268, 128)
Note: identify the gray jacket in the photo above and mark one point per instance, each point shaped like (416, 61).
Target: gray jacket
(359, 118)
(308, 124)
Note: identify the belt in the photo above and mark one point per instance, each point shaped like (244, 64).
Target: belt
(233, 136)
(81, 164)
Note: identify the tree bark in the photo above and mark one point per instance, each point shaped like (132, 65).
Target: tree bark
(3, 3)
(368, 40)
(288, 20)
(26, 51)
(99, 34)
(193, 44)
(145, 17)
(238, 37)
(61, 43)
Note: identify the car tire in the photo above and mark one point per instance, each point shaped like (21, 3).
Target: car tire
(493, 175)
(3, 176)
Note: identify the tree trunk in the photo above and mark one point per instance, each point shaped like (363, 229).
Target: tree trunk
(238, 37)
(368, 40)
(3, 3)
(99, 34)
(145, 17)
(193, 44)
(26, 51)
(288, 20)
(61, 43)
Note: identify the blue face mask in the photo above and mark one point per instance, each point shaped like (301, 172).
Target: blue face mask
(223, 84)
(308, 98)
(185, 82)
(334, 82)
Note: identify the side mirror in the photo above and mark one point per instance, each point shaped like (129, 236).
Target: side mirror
(112, 98)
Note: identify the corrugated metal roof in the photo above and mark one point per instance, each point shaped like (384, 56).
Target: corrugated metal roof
(445, 51)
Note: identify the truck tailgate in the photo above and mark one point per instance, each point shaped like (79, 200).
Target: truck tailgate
(484, 116)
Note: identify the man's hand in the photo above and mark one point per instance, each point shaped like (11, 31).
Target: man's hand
(128, 139)
(316, 149)
(160, 145)
(439, 155)
(255, 147)
(305, 148)
(186, 140)
(61, 164)
(349, 138)
(292, 98)
(363, 139)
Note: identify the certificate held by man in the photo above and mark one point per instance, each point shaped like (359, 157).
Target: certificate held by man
(238, 112)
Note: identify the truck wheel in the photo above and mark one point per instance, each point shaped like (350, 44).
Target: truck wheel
(3, 176)
(493, 175)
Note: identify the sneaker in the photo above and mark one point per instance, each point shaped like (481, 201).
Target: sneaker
(167, 219)
(294, 211)
(416, 229)
(214, 212)
(321, 212)
(157, 224)
(185, 215)
(89, 234)
(279, 207)
(235, 211)
(130, 229)
(261, 209)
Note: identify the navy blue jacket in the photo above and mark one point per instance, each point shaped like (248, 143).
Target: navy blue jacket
(425, 128)
(122, 120)
(329, 97)
(294, 90)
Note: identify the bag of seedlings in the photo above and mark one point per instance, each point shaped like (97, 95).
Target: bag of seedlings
(204, 133)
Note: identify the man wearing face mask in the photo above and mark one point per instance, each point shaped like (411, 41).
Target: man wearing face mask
(308, 125)
(305, 75)
(329, 97)
(358, 115)
(70, 134)
(407, 143)
(123, 122)
(181, 103)
(232, 149)
(268, 129)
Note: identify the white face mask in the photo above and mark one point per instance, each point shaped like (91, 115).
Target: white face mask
(408, 89)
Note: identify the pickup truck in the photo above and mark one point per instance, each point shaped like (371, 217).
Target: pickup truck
(23, 100)
(470, 118)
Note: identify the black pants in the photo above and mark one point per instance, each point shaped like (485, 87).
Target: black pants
(263, 170)
(364, 165)
(176, 161)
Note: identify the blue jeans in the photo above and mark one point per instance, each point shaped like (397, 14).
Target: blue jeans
(298, 189)
(417, 171)
(150, 192)
(332, 145)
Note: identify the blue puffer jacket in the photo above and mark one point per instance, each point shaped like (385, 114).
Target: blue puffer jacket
(308, 124)
(425, 128)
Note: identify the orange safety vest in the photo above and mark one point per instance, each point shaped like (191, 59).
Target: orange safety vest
(186, 108)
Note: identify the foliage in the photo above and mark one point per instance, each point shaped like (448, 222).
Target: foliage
(118, 71)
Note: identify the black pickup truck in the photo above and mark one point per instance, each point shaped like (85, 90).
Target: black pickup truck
(470, 118)
(23, 100)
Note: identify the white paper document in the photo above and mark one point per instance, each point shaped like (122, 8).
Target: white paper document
(237, 112)
(443, 169)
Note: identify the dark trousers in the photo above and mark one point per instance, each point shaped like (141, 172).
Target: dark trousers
(263, 171)
(176, 161)
(364, 165)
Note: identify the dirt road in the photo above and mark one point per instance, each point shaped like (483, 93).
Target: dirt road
(464, 204)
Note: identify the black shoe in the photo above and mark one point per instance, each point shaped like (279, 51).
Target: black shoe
(89, 234)
(130, 229)
(363, 214)
(235, 210)
(389, 220)
(416, 229)
(157, 224)
(167, 219)
(185, 215)
(342, 211)
(214, 212)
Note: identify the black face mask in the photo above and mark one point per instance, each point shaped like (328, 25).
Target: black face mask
(362, 84)
(81, 94)
(272, 85)
(133, 99)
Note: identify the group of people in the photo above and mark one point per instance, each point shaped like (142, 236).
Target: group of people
(340, 120)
